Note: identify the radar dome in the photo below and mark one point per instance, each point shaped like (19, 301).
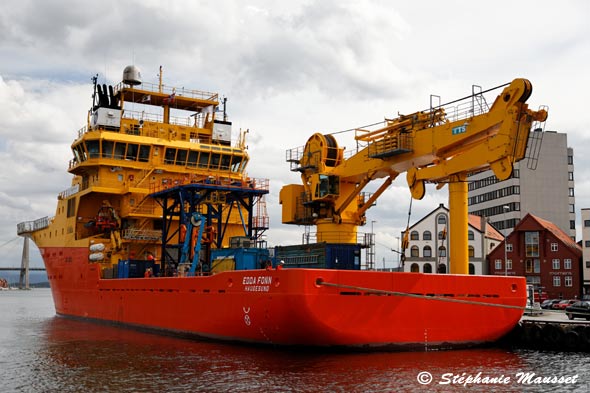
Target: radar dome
(132, 75)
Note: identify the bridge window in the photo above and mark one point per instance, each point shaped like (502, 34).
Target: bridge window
(181, 157)
(192, 158)
(120, 150)
(144, 153)
(204, 159)
(107, 149)
(131, 152)
(214, 161)
(93, 148)
(225, 160)
(169, 156)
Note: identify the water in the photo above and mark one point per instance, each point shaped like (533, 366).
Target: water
(40, 352)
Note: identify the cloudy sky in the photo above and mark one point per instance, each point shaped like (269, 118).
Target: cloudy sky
(289, 69)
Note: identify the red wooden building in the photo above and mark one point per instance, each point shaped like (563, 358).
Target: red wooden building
(544, 254)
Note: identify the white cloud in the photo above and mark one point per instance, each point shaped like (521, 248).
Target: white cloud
(290, 69)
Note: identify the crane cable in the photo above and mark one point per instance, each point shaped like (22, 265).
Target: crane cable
(405, 240)
(10, 241)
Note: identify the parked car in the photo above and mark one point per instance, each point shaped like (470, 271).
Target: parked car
(580, 309)
(563, 304)
(548, 303)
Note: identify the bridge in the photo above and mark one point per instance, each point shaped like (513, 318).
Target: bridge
(16, 269)
(24, 230)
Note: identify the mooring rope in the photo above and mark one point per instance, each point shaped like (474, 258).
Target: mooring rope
(413, 295)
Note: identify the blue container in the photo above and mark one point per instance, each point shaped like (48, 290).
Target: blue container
(244, 258)
(123, 269)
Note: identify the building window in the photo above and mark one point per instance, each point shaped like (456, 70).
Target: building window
(415, 268)
(427, 268)
(570, 160)
(571, 192)
(531, 240)
(587, 243)
(508, 247)
(414, 235)
(509, 264)
(498, 264)
(414, 251)
(569, 281)
(570, 176)
(492, 245)
(427, 252)
(516, 173)
(588, 264)
(572, 208)
(470, 235)
(441, 219)
(533, 266)
(556, 281)
(442, 235)
(587, 223)
(556, 264)
(427, 235)
(553, 247)
(567, 264)
(572, 224)
(442, 251)
(471, 252)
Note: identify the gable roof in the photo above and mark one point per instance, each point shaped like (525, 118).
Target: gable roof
(473, 221)
(554, 229)
(490, 231)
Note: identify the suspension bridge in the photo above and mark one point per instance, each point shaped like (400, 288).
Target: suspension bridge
(24, 269)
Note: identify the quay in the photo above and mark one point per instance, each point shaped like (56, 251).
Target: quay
(550, 330)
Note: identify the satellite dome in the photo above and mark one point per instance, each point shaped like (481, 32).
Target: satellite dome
(132, 75)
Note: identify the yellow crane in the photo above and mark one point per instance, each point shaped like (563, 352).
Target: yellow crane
(440, 145)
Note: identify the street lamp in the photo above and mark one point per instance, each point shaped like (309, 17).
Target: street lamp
(398, 253)
(505, 208)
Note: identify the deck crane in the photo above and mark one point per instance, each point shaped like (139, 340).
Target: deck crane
(438, 146)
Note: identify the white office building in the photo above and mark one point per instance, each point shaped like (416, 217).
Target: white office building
(543, 187)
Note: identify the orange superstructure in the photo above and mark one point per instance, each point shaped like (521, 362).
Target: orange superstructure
(162, 229)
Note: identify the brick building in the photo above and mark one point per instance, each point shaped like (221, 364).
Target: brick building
(544, 254)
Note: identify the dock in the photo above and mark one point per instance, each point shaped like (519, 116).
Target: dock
(550, 330)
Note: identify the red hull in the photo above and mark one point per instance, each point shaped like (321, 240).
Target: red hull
(289, 307)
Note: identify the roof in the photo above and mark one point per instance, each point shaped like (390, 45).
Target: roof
(473, 221)
(557, 232)
(491, 232)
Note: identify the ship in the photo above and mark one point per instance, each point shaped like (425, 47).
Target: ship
(163, 229)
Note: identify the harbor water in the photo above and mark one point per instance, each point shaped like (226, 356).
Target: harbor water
(40, 352)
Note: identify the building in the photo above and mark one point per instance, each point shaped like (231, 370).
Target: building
(429, 244)
(543, 253)
(543, 187)
(586, 250)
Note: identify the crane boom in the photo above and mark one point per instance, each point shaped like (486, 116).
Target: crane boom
(437, 145)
